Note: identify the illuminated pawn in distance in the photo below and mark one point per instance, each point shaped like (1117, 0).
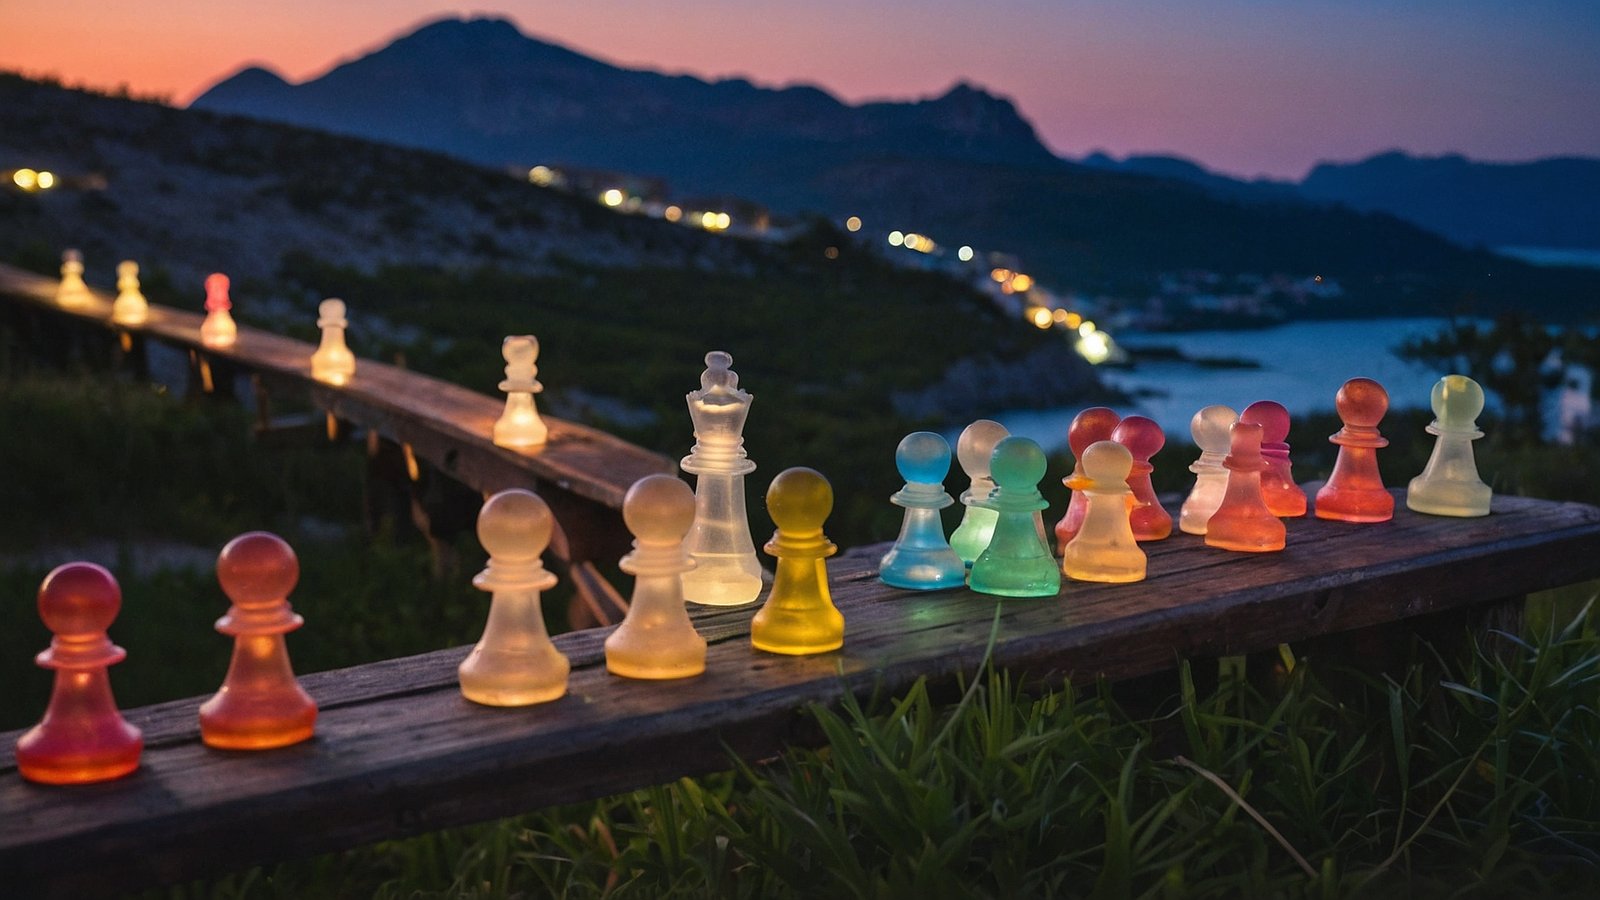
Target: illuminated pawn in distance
(1243, 522)
(1088, 427)
(1450, 485)
(973, 449)
(1017, 563)
(1285, 498)
(72, 291)
(333, 362)
(921, 559)
(218, 330)
(1209, 427)
(82, 737)
(130, 307)
(1355, 491)
(727, 571)
(520, 426)
(514, 663)
(260, 705)
(656, 639)
(1104, 549)
(799, 617)
(1143, 438)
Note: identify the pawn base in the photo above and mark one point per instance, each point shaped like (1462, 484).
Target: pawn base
(231, 721)
(42, 757)
(1355, 506)
(1460, 499)
(722, 579)
(923, 570)
(1104, 572)
(796, 634)
(1039, 577)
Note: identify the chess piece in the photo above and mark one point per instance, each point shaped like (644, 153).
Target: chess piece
(656, 639)
(82, 737)
(1243, 521)
(1355, 491)
(1209, 427)
(218, 329)
(1285, 498)
(973, 449)
(130, 307)
(1017, 563)
(1143, 437)
(72, 291)
(799, 617)
(514, 663)
(260, 705)
(921, 559)
(1104, 549)
(1449, 485)
(520, 426)
(727, 571)
(332, 362)
(1093, 424)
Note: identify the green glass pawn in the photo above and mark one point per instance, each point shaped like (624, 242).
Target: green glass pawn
(1450, 485)
(1017, 563)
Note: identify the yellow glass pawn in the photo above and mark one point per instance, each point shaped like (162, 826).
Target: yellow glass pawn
(657, 640)
(1104, 549)
(72, 291)
(799, 617)
(130, 307)
(1449, 485)
(514, 663)
(332, 363)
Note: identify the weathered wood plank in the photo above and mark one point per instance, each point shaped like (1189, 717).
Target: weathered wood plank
(398, 751)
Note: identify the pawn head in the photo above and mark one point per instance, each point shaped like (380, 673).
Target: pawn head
(520, 349)
(976, 445)
(658, 509)
(1093, 424)
(257, 568)
(1245, 445)
(217, 291)
(1361, 402)
(1210, 425)
(331, 309)
(923, 457)
(1107, 464)
(1271, 416)
(79, 599)
(1018, 462)
(1142, 436)
(72, 256)
(1457, 401)
(515, 524)
(127, 269)
(799, 500)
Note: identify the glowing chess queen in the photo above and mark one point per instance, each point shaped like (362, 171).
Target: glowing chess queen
(727, 571)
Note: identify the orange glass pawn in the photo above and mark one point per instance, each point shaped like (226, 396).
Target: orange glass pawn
(1285, 498)
(1143, 438)
(82, 737)
(1104, 548)
(260, 705)
(1088, 427)
(1355, 492)
(1243, 522)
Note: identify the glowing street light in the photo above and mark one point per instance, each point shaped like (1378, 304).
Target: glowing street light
(896, 239)
(1041, 317)
(852, 224)
(612, 197)
(964, 254)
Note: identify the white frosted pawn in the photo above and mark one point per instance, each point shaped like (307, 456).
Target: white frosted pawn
(1104, 549)
(1450, 485)
(218, 329)
(333, 362)
(514, 663)
(72, 291)
(727, 571)
(656, 640)
(130, 307)
(1211, 429)
(520, 425)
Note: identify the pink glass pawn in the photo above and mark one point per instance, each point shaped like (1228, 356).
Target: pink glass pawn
(218, 329)
(1355, 491)
(1104, 549)
(1143, 438)
(1243, 522)
(1285, 498)
(1209, 427)
(1088, 427)
(82, 737)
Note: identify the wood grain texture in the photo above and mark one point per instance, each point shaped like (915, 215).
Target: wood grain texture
(398, 751)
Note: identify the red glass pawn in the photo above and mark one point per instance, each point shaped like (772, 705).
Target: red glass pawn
(1090, 426)
(260, 705)
(1355, 492)
(1244, 521)
(1283, 496)
(1143, 437)
(82, 737)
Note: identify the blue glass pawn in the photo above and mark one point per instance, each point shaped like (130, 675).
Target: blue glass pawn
(921, 559)
(1017, 563)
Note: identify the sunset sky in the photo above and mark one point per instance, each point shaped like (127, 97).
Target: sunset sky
(1246, 86)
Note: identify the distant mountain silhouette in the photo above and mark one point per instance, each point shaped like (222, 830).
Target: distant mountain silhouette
(1178, 168)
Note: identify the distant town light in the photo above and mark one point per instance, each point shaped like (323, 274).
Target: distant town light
(47, 180)
(1060, 316)
(541, 175)
(27, 179)
(896, 239)
(852, 224)
(612, 197)
(1021, 283)
(724, 220)
(672, 214)
(1001, 275)
(1041, 317)
(1086, 328)
(831, 252)
(1072, 320)
(1094, 347)
(964, 254)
